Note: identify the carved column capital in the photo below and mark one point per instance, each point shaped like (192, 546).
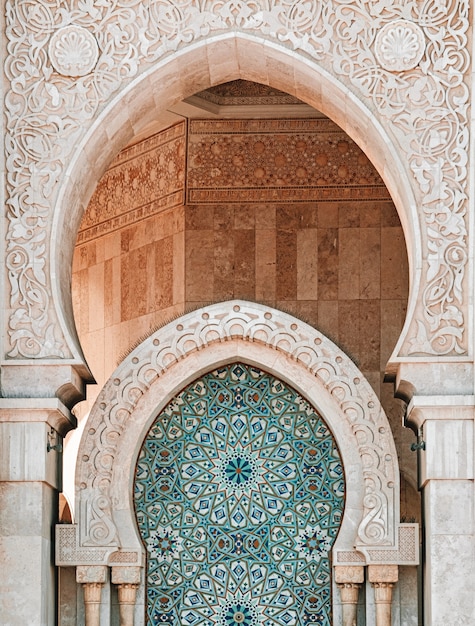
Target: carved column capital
(383, 573)
(349, 579)
(92, 578)
(383, 578)
(127, 580)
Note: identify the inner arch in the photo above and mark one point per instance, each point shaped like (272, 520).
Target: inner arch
(194, 69)
(239, 496)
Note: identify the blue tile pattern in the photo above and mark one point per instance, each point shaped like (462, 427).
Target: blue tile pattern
(239, 495)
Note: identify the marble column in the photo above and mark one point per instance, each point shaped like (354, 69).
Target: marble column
(382, 579)
(127, 580)
(446, 472)
(92, 578)
(31, 431)
(349, 580)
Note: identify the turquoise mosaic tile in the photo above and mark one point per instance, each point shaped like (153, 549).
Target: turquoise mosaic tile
(239, 495)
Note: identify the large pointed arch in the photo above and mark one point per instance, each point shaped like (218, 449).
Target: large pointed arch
(196, 68)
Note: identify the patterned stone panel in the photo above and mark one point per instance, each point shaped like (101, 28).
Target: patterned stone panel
(425, 112)
(239, 494)
(145, 179)
(268, 160)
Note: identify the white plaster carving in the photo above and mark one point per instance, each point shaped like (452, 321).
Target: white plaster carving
(399, 46)
(406, 553)
(114, 423)
(73, 51)
(425, 111)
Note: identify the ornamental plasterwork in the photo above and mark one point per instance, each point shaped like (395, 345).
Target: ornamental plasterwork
(112, 413)
(73, 51)
(424, 109)
(400, 46)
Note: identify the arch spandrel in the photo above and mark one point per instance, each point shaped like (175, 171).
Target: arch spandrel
(52, 149)
(195, 344)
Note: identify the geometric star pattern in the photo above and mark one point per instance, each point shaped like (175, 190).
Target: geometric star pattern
(239, 496)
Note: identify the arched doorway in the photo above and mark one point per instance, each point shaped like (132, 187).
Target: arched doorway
(211, 339)
(239, 496)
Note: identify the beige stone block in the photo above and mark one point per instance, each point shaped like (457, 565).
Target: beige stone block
(369, 335)
(112, 245)
(26, 508)
(449, 450)
(328, 215)
(370, 263)
(349, 263)
(245, 217)
(392, 320)
(307, 264)
(328, 263)
(179, 268)
(116, 338)
(328, 319)
(449, 507)
(28, 563)
(199, 218)
(265, 265)
(94, 351)
(307, 310)
(265, 216)
(394, 267)
(349, 328)
(195, 71)
(160, 274)
(450, 558)
(171, 75)
(307, 86)
(280, 68)
(95, 279)
(286, 269)
(245, 264)
(348, 215)
(199, 260)
(252, 60)
(223, 61)
(23, 453)
(224, 265)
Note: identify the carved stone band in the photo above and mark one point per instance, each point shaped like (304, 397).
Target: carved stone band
(73, 51)
(399, 46)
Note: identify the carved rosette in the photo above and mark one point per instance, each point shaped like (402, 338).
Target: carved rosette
(425, 110)
(73, 51)
(399, 46)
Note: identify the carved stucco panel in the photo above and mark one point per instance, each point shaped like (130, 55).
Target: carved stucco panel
(424, 110)
(338, 378)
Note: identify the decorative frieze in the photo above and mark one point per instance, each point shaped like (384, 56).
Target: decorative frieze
(145, 179)
(282, 160)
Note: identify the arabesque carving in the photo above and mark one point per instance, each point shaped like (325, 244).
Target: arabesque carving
(425, 110)
(238, 321)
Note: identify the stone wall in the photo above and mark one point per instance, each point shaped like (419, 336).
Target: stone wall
(289, 213)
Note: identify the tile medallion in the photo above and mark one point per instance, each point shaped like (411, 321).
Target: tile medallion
(239, 495)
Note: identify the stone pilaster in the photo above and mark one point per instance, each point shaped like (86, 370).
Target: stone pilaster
(382, 579)
(446, 461)
(31, 431)
(92, 579)
(349, 580)
(127, 580)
